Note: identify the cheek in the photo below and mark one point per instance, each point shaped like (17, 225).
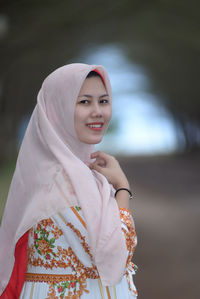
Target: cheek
(77, 119)
(108, 114)
(80, 116)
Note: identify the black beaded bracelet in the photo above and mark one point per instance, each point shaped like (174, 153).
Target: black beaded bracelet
(130, 193)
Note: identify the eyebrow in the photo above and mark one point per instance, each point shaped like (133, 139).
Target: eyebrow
(89, 96)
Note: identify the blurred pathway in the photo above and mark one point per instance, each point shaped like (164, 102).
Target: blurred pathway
(167, 223)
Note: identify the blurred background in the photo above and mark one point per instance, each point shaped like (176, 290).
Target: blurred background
(151, 50)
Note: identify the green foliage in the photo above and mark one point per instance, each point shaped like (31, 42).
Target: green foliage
(6, 172)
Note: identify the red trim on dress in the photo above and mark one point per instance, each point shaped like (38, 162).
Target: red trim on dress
(15, 285)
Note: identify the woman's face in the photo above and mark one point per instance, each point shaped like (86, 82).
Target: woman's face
(93, 111)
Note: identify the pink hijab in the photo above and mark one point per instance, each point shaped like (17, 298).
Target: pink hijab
(51, 144)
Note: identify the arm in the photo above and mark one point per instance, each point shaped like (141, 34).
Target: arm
(110, 168)
(128, 230)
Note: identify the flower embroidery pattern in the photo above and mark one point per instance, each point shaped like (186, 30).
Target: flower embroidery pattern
(46, 252)
(58, 291)
(77, 208)
(61, 288)
(83, 242)
(129, 233)
(131, 242)
(43, 243)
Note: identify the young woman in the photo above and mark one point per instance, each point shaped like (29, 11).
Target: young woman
(67, 231)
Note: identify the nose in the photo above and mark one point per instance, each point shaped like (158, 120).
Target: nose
(96, 110)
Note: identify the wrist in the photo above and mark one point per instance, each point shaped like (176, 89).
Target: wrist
(122, 198)
(122, 184)
(126, 190)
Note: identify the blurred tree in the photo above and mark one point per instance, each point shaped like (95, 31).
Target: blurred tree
(38, 36)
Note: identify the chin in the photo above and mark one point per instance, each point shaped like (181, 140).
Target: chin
(92, 141)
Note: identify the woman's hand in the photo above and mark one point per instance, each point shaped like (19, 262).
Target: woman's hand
(110, 168)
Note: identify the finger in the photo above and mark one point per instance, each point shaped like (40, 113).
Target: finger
(99, 154)
(100, 162)
(95, 167)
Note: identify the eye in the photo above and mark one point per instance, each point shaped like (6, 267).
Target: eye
(104, 101)
(84, 102)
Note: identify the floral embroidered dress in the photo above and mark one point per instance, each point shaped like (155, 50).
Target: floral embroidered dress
(60, 264)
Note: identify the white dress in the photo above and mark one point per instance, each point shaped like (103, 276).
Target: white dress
(60, 264)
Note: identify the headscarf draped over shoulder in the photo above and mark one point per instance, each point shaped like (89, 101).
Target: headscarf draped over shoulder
(50, 146)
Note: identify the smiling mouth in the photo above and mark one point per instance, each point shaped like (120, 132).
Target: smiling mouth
(95, 126)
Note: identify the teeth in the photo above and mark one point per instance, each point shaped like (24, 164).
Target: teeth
(95, 126)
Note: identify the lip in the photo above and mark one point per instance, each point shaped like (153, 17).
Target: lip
(95, 126)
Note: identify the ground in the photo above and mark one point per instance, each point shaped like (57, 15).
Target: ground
(166, 210)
